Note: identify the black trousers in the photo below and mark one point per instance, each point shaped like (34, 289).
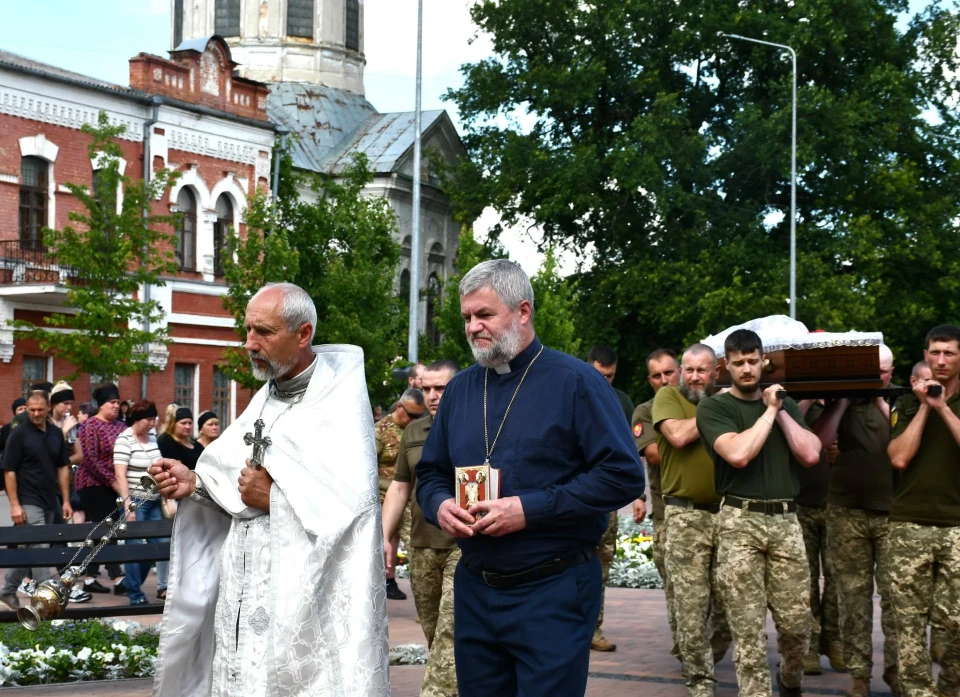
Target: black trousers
(98, 503)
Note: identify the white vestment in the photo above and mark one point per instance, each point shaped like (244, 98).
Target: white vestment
(290, 602)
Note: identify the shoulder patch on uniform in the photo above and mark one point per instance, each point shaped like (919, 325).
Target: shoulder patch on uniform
(638, 429)
(894, 417)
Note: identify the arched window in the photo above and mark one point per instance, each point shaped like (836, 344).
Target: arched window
(186, 236)
(434, 298)
(405, 287)
(34, 194)
(352, 41)
(221, 230)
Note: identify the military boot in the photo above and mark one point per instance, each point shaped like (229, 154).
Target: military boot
(892, 678)
(601, 643)
(835, 656)
(785, 691)
(859, 688)
(811, 663)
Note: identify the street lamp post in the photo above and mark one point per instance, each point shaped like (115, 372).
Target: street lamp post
(793, 171)
(414, 327)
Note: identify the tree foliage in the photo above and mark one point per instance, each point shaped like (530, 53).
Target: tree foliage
(106, 255)
(632, 125)
(338, 245)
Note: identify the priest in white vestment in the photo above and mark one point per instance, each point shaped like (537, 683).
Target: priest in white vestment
(276, 574)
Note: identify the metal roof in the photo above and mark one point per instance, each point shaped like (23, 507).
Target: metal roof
(198, 44)
(33, 66)
(383, 138)
(320, 117)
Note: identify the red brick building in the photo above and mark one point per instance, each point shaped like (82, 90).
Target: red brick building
(191, 113)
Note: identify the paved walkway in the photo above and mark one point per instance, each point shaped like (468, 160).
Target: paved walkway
(635, 621)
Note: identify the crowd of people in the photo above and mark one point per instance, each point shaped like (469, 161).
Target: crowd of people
(68, 464)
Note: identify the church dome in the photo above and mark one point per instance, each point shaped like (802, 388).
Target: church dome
(310, 41)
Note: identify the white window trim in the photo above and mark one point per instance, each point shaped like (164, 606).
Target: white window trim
(206, 217)
(99, 162)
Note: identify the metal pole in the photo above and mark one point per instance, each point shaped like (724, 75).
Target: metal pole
(793, 171)
(414, 328)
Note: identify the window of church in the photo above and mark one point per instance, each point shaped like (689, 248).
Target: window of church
(34, 370)
(353, 25)
(186, 235)
(34, 192)
(405, 286)
(221, 230)
(434, 298)
(183, 391)
(177, 23)
(300, 18)
(226, 17)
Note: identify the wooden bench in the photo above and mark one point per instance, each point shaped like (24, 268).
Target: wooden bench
(58, 557)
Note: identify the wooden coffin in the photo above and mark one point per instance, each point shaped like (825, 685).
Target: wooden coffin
(833, 369)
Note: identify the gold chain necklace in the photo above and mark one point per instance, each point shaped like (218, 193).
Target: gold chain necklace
(486, 433)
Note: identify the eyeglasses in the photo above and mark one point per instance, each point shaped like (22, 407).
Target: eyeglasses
(412, 414)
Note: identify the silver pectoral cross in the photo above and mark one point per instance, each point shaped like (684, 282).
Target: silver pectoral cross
(259, 442)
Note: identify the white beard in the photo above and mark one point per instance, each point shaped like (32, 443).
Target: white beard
(501, 350)
(274, 369)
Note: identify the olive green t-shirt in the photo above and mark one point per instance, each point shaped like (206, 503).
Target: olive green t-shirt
(814, 481)
(422, 533)
(929, 490)
(644, 435)
(687, 471)
(772, 474)
(862, 477)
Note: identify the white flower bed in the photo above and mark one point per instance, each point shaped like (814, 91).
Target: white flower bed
(633, 565)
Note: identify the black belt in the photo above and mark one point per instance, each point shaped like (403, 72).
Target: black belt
(765, 507)
(550, 568)
(687, 503)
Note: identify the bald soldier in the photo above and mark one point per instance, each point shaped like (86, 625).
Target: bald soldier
(388, 432)
(663, 369)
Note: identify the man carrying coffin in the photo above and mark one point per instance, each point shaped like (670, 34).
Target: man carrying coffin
(276, 572)
(527, 589)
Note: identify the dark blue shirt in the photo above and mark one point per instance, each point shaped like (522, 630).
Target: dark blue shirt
(565, 450)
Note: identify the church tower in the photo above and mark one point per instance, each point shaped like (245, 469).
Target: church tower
(312, 41)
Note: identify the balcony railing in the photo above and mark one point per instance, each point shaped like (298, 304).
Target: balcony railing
(29, 262)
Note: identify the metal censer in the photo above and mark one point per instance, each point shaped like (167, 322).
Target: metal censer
(51, 597)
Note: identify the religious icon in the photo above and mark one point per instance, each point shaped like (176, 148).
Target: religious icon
(476, 484)
(259, 442)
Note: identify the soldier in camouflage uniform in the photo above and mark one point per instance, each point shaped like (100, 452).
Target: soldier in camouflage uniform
(388, 432)
(434, 554)
(858, 501)
(692, 506)
(925, 519)
(757, 443)
(662, 369)
(604, 359)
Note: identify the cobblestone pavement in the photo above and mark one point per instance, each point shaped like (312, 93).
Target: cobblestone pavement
(641, 665)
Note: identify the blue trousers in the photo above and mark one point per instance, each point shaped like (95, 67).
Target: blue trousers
(529, 640)
(135, 573)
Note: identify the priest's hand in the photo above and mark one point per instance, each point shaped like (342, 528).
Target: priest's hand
(500, 517)
(174, 479)
(454, 520)
(255, 487)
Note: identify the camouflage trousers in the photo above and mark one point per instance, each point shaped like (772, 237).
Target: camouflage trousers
(823, 606)
(761, 563)
(606, 552)
(702, 627)
(860, 552)
(659, 552)
(431, 580)
(925, 583)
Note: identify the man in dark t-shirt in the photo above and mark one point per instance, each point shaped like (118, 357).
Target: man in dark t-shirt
(925, 518)
(36, 463)
(758, 443)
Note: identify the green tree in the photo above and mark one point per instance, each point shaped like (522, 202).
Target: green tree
(632, 125)
(336, 244)
(106, 255)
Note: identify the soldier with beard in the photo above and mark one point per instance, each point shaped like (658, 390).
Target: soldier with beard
(757, 443)
(527, 589)
(692, 505)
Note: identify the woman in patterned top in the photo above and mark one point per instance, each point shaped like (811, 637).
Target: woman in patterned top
(96, 479)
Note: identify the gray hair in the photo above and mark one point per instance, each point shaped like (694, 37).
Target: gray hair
(296, 306)
(507, 280)
(412, 394)
(700, 349)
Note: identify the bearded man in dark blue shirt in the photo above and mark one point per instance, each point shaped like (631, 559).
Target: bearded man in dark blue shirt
(527, 589)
